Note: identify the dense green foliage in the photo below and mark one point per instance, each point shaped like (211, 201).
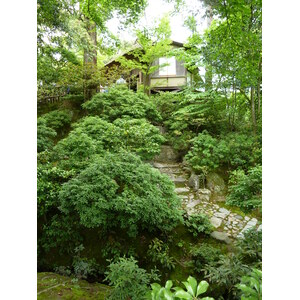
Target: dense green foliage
(198, 223)
(118, 190)
(251, 286)
(130, 281)
(158, 252)
(192, 290)
(119, 102)
(45, 136)
(204, 254)
(245, 189)
(58, 119)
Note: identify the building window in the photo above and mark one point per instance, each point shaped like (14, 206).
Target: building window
(170, 69)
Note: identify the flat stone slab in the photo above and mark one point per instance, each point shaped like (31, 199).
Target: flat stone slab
(182, 190)
(220, 215)
(178, 179)
(238, 217)
(162, 165)
(259, 228)
(221, 236)
(216, 222)
(224, 211)
(193, 203)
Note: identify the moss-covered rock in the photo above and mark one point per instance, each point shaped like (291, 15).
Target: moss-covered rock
(54, 286)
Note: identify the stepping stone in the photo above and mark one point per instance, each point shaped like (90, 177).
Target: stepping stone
(247, 218)
(224, 211)
(216, 222)
(252, 222)
(161, 165)
(238, 217)
(221, 236)
(259, 228)
(193, 204)
(179, 179)
(182, 190)
(220, 215)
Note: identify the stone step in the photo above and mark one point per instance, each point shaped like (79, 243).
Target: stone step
(160, 165)
(182, 190)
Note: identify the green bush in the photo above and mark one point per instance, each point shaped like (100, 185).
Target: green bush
(83, 267)
(58, 119)
(135, 135)
(241, 148)
(49, 182)
(198, 223)
(250, 247)
(159, 253)
(119, 190)
(226, 273)
(207, 153)
(245, 189)
(204, 254)
(251, 286)
(140, 137)
(166, 103)
(45, 135)
(129, 281)
(76, 151)
(120, 101)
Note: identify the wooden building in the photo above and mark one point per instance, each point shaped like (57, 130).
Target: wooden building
(171, 77)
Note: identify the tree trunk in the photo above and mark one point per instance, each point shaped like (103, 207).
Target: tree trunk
(252, 99)
(208, 69)
(90, 60)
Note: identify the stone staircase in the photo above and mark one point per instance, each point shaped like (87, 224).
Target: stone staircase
(227, 224)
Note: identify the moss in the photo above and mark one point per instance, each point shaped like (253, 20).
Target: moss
(54, 286)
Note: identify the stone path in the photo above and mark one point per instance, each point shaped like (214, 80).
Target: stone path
(228, 225)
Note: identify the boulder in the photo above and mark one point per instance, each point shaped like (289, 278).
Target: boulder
(216, 222)
(167, 154)
(221, 236)
(215, 183)
(204, 194)
(194, 182)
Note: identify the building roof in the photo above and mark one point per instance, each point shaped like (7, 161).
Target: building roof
(136, 46)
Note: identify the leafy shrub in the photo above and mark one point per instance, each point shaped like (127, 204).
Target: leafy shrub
(76, 150)
(198, 223)
(207, 152)
(251, 286)
(49, 182)
(245, 189)
(83, 267)
(58, 119)
(135, 135)
(226, 273)
(60, 232)
(193, 290)
(140, 137)
(45, 135)
(119, 102)
(204, 254)
(129, 281)
(250, 247)
(166, 103)
(240, 149)
(159, 252)
(119, 190)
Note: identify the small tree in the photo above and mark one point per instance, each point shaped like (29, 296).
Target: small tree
(152, 44)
